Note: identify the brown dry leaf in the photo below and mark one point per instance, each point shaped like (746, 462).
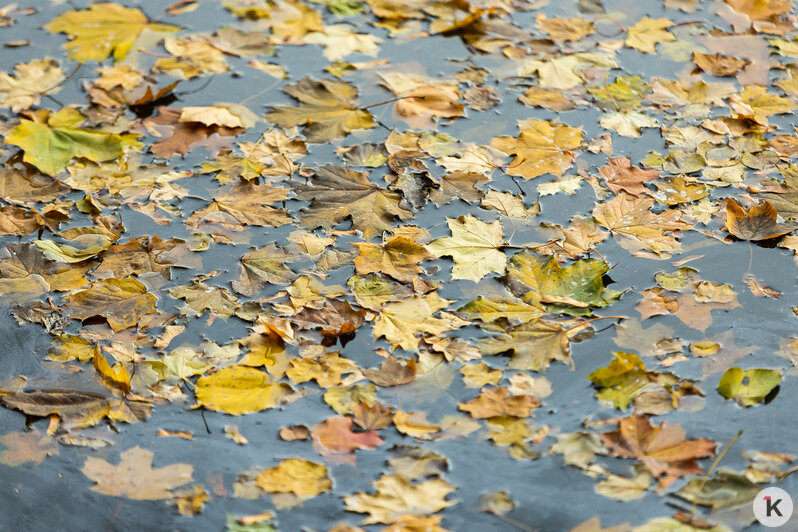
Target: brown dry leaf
(499, 402)
(534, 345)
(564, 29)
(295, 432)
(19, 221)
(393, 372)
(327, 110)
(631, 219)
(718, 64)
(28, 261)
(144, 255)
(335, 434)
(656, 302)
(758, 288)
(201, 297)
(662, 449)
(225, 115)
(757, 223)
(327, 370)
(421, 107)
(263, 266)
(185, 136)
(339, 193)
(396, 497)
(336, 319)
(25, 187)
(75, 409)
(401, 322)
(415, 424)
(24, 447)
(372, 417)
(619, 175)
(398, 258)
(479, 375)
(134, 477)
(247, 203)
(123, 302)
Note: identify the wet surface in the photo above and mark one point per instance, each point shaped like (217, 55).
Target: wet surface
(549, 496)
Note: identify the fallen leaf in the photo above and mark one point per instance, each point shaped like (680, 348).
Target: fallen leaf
(396, 497)
(239, 390)
(338, 193)
(327, 110)
(662, 449)
(748, 387)
(122, 302)
(103, 29)
(303, 478)
(648, 32)
(335, 434)
(758, 223)
(540, 148)
(134, 477)
(499, 402)
(474, 246)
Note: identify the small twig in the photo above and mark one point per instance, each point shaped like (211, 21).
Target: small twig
(601, 257)
(202, 413)
(58, 84)
(591, 320)
(264, 91)
(521, 160)
(202, 87)
(363, 108)
(712, 468)
(600, 17)
(515, 523)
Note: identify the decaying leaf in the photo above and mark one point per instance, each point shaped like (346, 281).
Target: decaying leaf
(134, 477)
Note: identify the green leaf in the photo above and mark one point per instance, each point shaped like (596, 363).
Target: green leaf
(726, 489)
(571, 289)
(748, 387)
(51, 148)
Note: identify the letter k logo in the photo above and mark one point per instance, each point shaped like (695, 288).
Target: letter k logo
(773, 507)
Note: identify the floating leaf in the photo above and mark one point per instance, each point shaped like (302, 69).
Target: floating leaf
(748, 387)
(134, 477)
(239, 390)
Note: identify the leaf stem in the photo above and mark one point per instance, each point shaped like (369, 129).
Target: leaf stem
(712, 468)
(384, 102)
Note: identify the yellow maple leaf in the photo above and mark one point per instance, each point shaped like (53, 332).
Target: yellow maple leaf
(103, 29)
(300, 477)
(397, 497)
(757, 103)
(648, 32)
(402, 321)
(474, 247)
(29, 82)
(398, 257)
(239, 390)
(541, 147)
(630, 218)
